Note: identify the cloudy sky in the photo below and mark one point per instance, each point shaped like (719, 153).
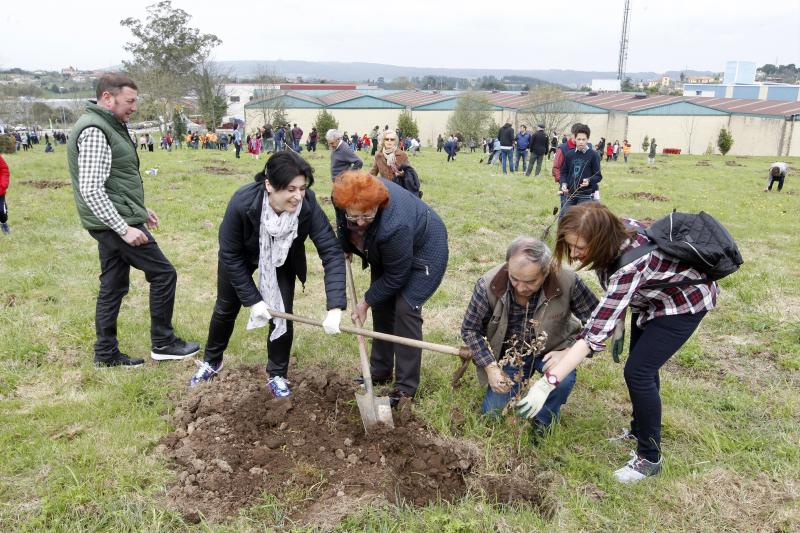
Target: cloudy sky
(664, 35)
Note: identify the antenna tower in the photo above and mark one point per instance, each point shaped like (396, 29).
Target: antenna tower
(623, 43)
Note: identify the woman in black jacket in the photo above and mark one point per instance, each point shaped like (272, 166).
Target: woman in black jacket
(265, 226)
(404, 242)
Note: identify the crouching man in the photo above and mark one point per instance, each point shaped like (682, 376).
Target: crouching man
(513, 305)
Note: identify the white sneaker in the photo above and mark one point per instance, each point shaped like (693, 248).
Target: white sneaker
(279, 386)
(637, 469)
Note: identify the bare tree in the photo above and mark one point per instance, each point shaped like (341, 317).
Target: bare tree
(547, 104)
(268, 94)
(688, 130)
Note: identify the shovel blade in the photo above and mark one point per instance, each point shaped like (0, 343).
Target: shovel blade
(374, 410)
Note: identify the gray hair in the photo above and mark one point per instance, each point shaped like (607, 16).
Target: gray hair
(333, 135)
(531, 249)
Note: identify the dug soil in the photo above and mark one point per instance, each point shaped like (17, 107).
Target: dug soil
(644, 196)
(46, 184)
(236, 446)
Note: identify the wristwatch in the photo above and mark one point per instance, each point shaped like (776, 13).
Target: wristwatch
(551, 379)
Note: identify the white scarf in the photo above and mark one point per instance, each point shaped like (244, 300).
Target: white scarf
(275, 237)
(390, 160)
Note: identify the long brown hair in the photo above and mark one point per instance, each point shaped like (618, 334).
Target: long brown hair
(602, 230)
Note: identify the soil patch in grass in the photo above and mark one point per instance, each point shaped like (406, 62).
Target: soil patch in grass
(644, 196)
(235, 444)
(635, 170)
(46, 184)
(225, 171)
(703, 163)
(733, 163)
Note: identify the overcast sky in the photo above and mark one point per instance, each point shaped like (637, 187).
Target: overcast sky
(664, 35)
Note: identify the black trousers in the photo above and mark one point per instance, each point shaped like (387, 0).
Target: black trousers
(374, 146)
(116, 259)
(538, 158)
(238, 146)
(3, 210)
(651, 347)
(223, 319)
(773, 179)
(397, 317)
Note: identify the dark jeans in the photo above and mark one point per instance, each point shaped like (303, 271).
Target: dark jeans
(523, 155)
(116, 259)
(312, 146)
(3, 210)
(238, 146)
(538, 159)
(397, 317)
(773, 179)
(651, 347)
(223, 319)
(567, 201)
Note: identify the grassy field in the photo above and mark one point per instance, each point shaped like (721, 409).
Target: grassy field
(76, 442)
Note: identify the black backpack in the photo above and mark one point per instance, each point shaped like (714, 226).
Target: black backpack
(697, 240)
(409, 180)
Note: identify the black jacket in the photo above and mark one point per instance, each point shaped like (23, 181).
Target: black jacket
(344, 158)
(540, 143)
(239, 249)
(405, 246)
(506, 135)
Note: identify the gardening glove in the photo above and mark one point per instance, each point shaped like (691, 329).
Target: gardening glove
(533, 402)
(259, 315)
(618, 339)
(332, 321)
(498, 380)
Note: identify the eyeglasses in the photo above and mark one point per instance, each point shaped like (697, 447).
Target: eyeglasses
(357, 218)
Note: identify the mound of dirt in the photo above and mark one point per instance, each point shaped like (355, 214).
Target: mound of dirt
(234, 442)
(732, 163)
(644, 196)
(219, 170)
(46, 184)
(703, 163)
(635, 170)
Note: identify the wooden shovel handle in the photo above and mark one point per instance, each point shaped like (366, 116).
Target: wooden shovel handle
(462, 352)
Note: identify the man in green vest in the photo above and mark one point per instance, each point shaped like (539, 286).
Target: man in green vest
(109, 195)
(516, 305)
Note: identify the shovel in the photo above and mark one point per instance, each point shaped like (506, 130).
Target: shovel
(374, 409)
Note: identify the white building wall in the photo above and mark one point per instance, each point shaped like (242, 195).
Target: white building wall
(755, 135)
(676, 131)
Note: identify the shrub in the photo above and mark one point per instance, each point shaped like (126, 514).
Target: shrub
(407, 125)
(325, 121)
(645, 143)
(724, 141)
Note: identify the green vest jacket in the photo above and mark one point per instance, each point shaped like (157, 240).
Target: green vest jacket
(552, 313)
(124, 185)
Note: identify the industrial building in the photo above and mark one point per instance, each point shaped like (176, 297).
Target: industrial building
(692, 124)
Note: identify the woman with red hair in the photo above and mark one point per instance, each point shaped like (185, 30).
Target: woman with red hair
(404, 242)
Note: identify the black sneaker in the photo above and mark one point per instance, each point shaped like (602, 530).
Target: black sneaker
(179, 349)
(118, 360)
(396, 395)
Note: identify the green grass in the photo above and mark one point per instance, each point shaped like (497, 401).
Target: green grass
(76, 442)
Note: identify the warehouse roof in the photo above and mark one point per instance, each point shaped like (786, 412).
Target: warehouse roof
(624, 102)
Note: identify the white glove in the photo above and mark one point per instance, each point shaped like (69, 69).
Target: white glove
(332, 321)
(533, 402)
(259, 315)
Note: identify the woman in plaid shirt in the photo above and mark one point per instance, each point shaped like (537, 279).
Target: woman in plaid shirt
(662, 320)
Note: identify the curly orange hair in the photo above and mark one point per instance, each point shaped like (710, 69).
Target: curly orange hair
(359, 190)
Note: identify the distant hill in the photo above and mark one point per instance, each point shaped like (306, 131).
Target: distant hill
(335, 71)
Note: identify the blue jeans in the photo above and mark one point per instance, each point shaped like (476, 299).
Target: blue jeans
(523, 155)
(493, 402)
(507, 156)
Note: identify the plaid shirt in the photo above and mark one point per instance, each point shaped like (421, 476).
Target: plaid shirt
(94, 167)
(628, 287)
(473, 328)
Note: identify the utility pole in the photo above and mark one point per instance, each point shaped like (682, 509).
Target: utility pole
(623, 43)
